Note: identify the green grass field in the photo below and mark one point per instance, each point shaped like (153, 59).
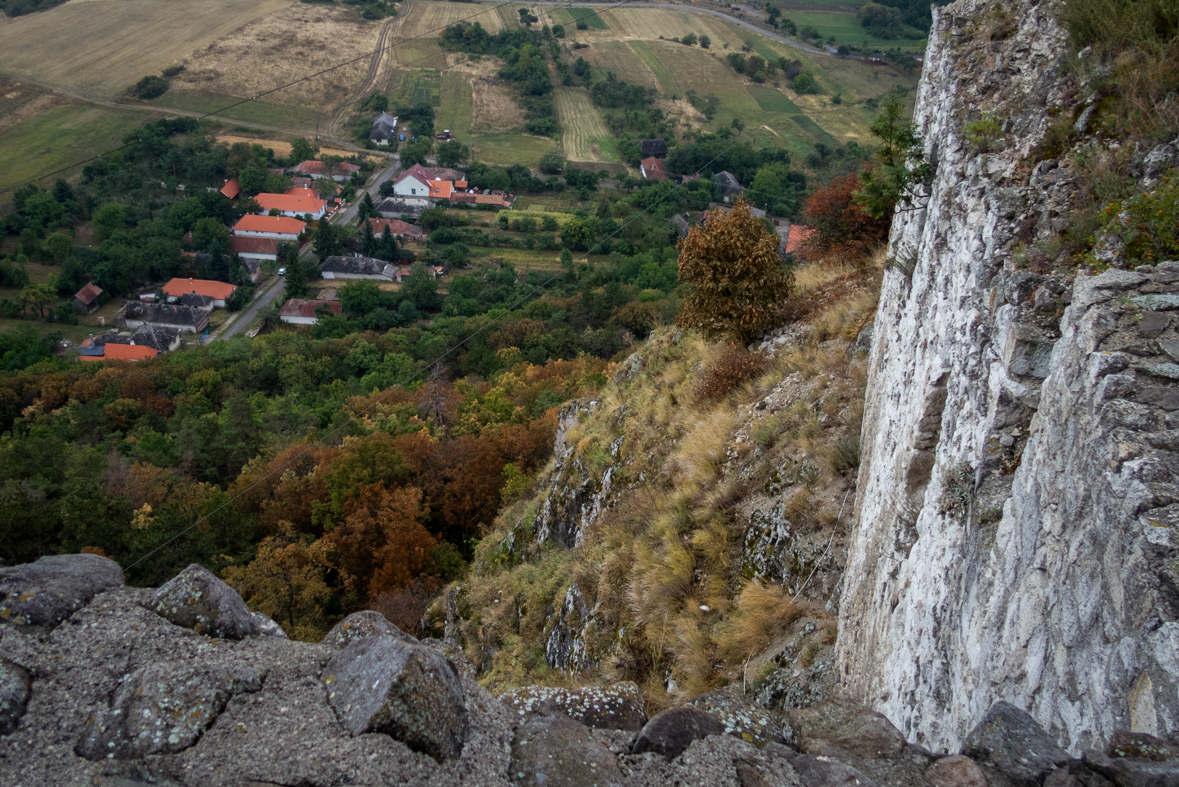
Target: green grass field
(846, 29)
(455, 110)
(58, 137)
(584, 135)
(771, 100)
(571, 16)
(295, 119)
(666, 84)
(510, 147)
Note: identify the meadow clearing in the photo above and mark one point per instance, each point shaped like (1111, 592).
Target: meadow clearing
(583, 134)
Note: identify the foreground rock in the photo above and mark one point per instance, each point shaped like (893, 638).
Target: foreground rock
(196, 599)
(164, 708)
(14, 694)
(359, 625)
(1011, 742)
(616, 707)
(740, 717)
(670, 732)
(861, 738)
(551, 749)
(44, 593)
(382, 684)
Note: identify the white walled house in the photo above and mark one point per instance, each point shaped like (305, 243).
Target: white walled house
(277, 227)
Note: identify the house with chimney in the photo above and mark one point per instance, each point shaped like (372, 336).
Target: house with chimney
(300, 205)
(185, 319)
(317, 169)
(384, 128)
(652, 169)
(214, 293)
(402, 230)
(277, 227)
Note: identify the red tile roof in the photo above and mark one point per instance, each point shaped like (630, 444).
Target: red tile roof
(653, 169)
(299, 191)
(396, 226)
(798, 235)
(122, 352)
(218, 290)
(281, 224)
(232, 189)
(89, 293)
(290, 203)
(417, 171)
(440, 189)
(244, 244)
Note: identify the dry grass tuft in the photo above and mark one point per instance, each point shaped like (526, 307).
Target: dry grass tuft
(762, 615)
(732, 369)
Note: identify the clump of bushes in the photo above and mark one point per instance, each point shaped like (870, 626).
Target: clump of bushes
(734, 368)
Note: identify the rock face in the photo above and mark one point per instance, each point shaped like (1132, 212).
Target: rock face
(616, 707)
(43, 594)
(382, 684)
(551, 749)
(670, 732)
(1016, 521)
(164, 708)
(196, 599)
(14, 694)
(363, 624)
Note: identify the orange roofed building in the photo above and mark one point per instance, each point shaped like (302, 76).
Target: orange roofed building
(176, 289)
(293, 205)
(278, 227)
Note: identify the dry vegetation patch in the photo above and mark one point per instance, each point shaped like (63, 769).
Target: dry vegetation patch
(495, 107)
(102, 47)
(282, 48)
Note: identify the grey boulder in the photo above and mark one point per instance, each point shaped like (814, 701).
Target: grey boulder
(359, 625)
(44, 593)
(671, 731)
(15, 687)
(619, 706)
(408, 692)
(840, 728)
(1010, 741)
(164, 708)
(196, 599)
(267, 627)
(1134, 771)
(826, 772)
(740, 718)
(551, 749)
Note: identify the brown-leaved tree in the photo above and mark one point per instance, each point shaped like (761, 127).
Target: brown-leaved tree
(736, 278)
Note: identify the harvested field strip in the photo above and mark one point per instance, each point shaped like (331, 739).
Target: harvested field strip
(456, 109)
(283, 149)
(419, 87)
(846, 29)
(582, 129)
(704, 75)
(814, 129)
(618, 58)
(429, 18)
(651, 24)
(416, 54)
(771, 100)
(60, 136)
(666, 83)
(103, 47)
(297, 120)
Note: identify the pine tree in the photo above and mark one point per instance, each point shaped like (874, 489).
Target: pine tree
(368, 241)
(296, 277)
(367, 209)
(388, 244)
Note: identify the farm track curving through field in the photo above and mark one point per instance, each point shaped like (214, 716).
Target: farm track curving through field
(374, 71)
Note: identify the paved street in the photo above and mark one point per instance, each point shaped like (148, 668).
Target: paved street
(260, 301)
(348, 215)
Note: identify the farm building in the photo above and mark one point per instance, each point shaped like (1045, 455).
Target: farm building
(114, 351)
(728, 184)
(383, 129)
(232, 189)
(356, 267)
(441, 189)
(299, 311)
(317, 169)
(653, 148)
(681, 224)
(85, 300)
(277, 227)
(400, 229)
(156, 337)
(252, 248)
(216, 291)
(652, 169)
(292, 205)
(183, 318)
(413, 182)
(397, 207)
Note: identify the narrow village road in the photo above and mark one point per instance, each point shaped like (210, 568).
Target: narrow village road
(261, 301)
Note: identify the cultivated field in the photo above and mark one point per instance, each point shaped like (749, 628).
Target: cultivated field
(662, 77)
(619, 58)
(100, 48)
(457, 110)
(282, 48)
(583, 134)
(430, 18)
(845, 28)
(571, 16)
(651, 24)
(283, 149)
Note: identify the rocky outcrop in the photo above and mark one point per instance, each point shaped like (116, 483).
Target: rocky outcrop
(196, 599)
(43, 594)
(1015, 504)
(117, 694)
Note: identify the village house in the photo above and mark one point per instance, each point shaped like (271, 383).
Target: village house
(401, 230)
(317, 169)
(413, 182)
(183, 318)
(384, 128)
(112, 351)
(399, 207)
(652, 169)
(357, 267)
(653, 148)
(158, 338)
(728, 184)
(277, 227)
(232, 189)
(300, 311)
(215, 291)
(253, 249)
(85, 300)
(296, 206)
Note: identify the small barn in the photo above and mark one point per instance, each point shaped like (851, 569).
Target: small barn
(86, 300)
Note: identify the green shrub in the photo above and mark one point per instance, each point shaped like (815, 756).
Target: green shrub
(1146, 223)
(151, 87)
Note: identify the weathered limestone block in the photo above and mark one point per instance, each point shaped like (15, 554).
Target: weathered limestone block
(164, 708)
(44, 593)
(410, 693)
(366, 623)
(196, 599)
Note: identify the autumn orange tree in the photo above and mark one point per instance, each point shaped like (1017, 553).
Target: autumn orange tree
(734, 274)
(843, 228)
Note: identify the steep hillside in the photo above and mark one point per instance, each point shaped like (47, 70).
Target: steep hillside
(689, 531)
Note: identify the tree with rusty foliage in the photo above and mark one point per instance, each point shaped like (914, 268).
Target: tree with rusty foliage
(735, 276)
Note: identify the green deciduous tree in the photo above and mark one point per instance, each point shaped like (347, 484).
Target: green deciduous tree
(735, 276)
(903, 168)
